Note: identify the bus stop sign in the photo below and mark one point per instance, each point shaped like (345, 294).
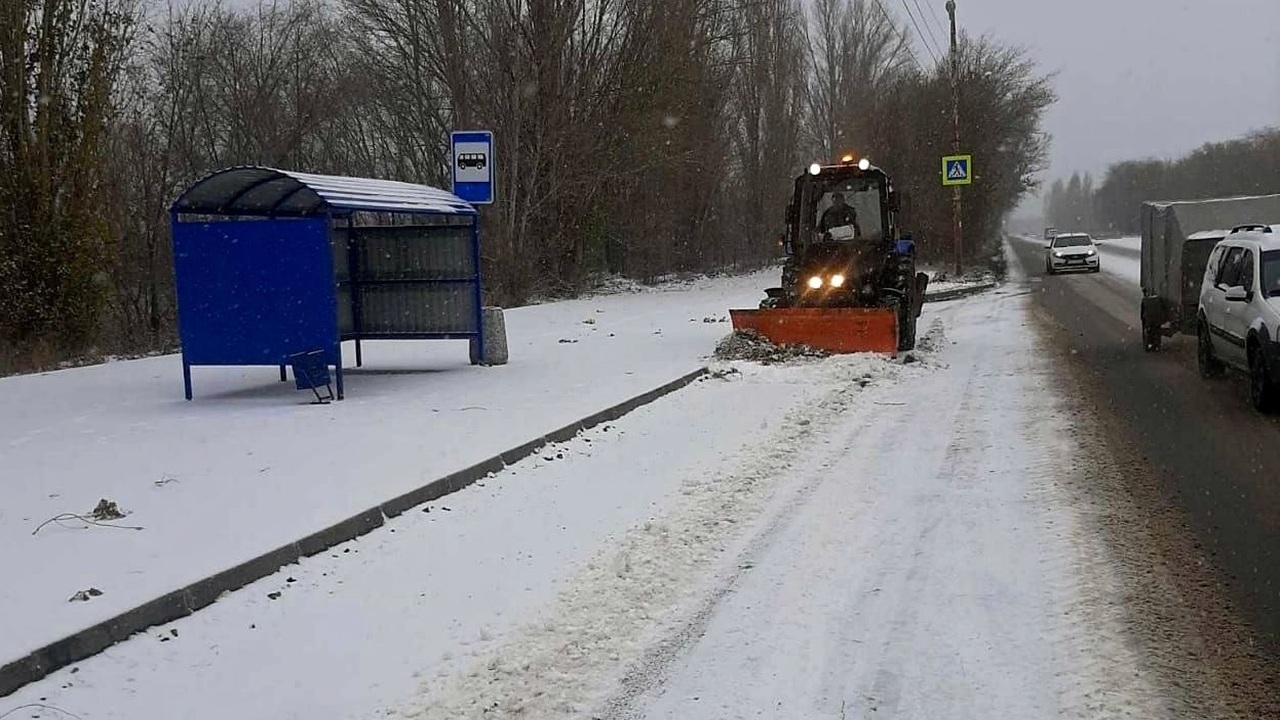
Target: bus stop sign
(472, 153)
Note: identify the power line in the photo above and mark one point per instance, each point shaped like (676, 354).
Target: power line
(921, 35)
(925, 19)
(937, 21)
(906, 43)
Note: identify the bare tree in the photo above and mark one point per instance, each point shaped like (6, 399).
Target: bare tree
(59, 63)
(856, 51)
(636, 136)
(770, 93)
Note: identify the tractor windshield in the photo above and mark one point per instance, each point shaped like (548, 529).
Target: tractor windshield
(849, 209)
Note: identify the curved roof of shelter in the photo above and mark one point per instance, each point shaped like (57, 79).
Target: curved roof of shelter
(264, 191)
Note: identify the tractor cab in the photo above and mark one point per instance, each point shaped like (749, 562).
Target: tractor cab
(827, 197)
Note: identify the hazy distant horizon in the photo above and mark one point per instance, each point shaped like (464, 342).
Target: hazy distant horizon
(1141, 78)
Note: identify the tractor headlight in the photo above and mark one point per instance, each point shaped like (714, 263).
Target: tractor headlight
(837, 280)
(864, 164)
(815, 282)
(814, 169)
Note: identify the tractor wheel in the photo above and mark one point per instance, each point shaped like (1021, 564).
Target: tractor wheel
(922, 286)
(906, 327)
(1150, 335)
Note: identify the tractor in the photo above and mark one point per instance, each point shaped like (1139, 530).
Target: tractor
(849, 280)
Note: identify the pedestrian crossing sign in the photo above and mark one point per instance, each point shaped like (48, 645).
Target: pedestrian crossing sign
(957, 170)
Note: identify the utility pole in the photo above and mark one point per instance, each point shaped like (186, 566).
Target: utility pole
(957, 225)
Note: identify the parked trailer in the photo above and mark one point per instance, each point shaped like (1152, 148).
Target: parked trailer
(1177, 237)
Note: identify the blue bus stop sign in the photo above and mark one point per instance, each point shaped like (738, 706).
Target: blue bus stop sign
(472, 154)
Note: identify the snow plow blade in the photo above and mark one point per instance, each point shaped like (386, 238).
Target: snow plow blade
(835, 330)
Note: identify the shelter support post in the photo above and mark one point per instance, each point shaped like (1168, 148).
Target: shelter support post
(353, 276)
(284, 377)
(186, 376)
(478, 350)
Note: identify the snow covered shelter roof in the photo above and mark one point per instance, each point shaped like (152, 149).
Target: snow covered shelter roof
(264, 191)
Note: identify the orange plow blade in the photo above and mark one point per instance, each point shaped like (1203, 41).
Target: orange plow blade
(836, 330)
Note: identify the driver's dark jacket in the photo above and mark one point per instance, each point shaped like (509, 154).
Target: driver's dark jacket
(838, 216)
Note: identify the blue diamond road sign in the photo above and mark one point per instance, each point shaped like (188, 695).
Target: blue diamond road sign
(957, 170)
(473, 166)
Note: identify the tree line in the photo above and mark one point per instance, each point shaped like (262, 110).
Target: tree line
(1249, 165)
(635, 137)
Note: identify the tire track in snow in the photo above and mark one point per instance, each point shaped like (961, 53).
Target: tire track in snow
(650, 673)
(944, 593)
(649, 591)
(642, 683)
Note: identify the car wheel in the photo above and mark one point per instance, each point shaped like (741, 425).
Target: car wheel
(1151, 336)
(1262, 391)
(1210, 366)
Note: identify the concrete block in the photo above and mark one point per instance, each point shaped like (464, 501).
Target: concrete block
(495, 338)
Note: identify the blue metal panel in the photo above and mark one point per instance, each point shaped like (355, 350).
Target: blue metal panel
(255, 292)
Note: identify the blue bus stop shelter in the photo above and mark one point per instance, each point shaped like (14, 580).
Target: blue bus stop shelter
(272, 266)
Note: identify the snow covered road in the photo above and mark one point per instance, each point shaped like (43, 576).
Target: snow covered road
(844, 538)
(928, 566)
(916, 558)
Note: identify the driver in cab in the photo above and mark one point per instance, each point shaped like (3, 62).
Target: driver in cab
(839, 215)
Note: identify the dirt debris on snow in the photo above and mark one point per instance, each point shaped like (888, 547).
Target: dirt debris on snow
(752, 346)
(85, 595)
(106, 510)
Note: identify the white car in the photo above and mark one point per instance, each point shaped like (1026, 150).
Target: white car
(1071, 251)
(1238, 320)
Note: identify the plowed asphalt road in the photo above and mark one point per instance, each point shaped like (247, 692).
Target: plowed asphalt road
(1207, 452)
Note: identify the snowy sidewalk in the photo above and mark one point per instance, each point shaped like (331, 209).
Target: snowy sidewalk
(362, 627)
(248, 466)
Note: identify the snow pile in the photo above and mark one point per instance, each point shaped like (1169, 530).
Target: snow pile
(942, 281)
(752, 346)
(628, 600)
(613, 285)
(932, 340)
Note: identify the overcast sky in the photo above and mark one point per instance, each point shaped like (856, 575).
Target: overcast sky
(1140, 78)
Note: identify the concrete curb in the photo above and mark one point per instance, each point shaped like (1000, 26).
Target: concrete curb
(958, 292)
(202, 593)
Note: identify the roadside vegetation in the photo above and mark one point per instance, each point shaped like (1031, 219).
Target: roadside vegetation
(1249, 165)
(636, 138)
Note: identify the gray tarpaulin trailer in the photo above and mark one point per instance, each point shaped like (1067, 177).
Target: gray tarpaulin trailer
(1177, 237)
